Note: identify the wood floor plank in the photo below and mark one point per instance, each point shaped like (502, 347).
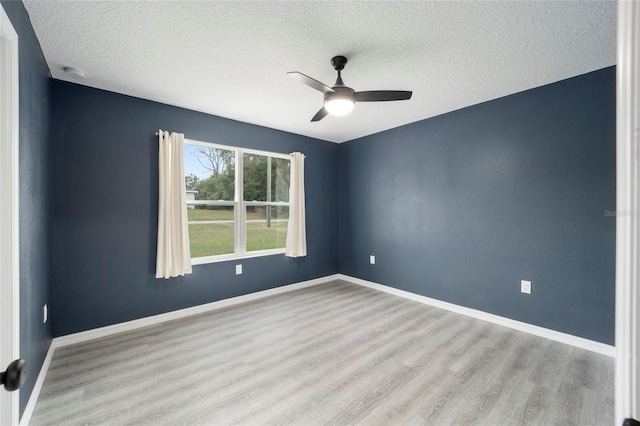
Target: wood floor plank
(335, 353)
(355, 358)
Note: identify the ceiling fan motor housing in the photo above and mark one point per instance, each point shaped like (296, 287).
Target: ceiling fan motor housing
(340, 92)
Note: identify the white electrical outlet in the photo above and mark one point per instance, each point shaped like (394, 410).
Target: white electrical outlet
(525, 286)
(45, 314)
(238, 269)
(372, 260)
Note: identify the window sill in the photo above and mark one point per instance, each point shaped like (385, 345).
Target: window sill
(230, 257)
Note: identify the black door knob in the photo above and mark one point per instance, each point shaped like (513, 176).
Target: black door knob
(14, 376)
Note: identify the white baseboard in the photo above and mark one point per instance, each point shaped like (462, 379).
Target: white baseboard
(35, 393)
(97, 333)
(496, 319)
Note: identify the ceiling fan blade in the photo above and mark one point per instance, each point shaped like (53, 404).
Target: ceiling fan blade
(383, 95)
(320, 114)
(315, 84)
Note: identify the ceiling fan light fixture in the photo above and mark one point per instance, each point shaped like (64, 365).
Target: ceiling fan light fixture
(339, 106)
(340, 101)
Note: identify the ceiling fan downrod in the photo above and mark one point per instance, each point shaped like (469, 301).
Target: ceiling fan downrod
(338, 63)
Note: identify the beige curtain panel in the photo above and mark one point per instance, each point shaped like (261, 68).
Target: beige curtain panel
(297, 228)
(174, 256)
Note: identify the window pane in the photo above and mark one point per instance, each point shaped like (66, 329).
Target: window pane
(255, 177)
(209, 173)
(265, 177)
(266, 227)
(211, 230)
(280, 176)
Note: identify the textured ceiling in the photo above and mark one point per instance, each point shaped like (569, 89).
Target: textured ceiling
(231, 58)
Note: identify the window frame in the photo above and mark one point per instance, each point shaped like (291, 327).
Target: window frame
(239, 206)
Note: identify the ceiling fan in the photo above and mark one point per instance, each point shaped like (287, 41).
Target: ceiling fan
(340, 99)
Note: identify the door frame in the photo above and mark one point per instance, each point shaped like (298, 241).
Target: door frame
(9, 216)
(627, 388)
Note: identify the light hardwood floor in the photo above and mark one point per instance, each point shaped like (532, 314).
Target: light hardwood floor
(335, 353)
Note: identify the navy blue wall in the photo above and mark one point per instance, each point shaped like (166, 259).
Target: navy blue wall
(463, 206)
(105, 167)
(35, 199)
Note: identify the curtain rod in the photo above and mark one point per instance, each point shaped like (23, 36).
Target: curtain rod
(277, 154)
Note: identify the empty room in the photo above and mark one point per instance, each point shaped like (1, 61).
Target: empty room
(301, 212)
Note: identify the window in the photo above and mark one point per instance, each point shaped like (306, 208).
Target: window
(237, 201)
